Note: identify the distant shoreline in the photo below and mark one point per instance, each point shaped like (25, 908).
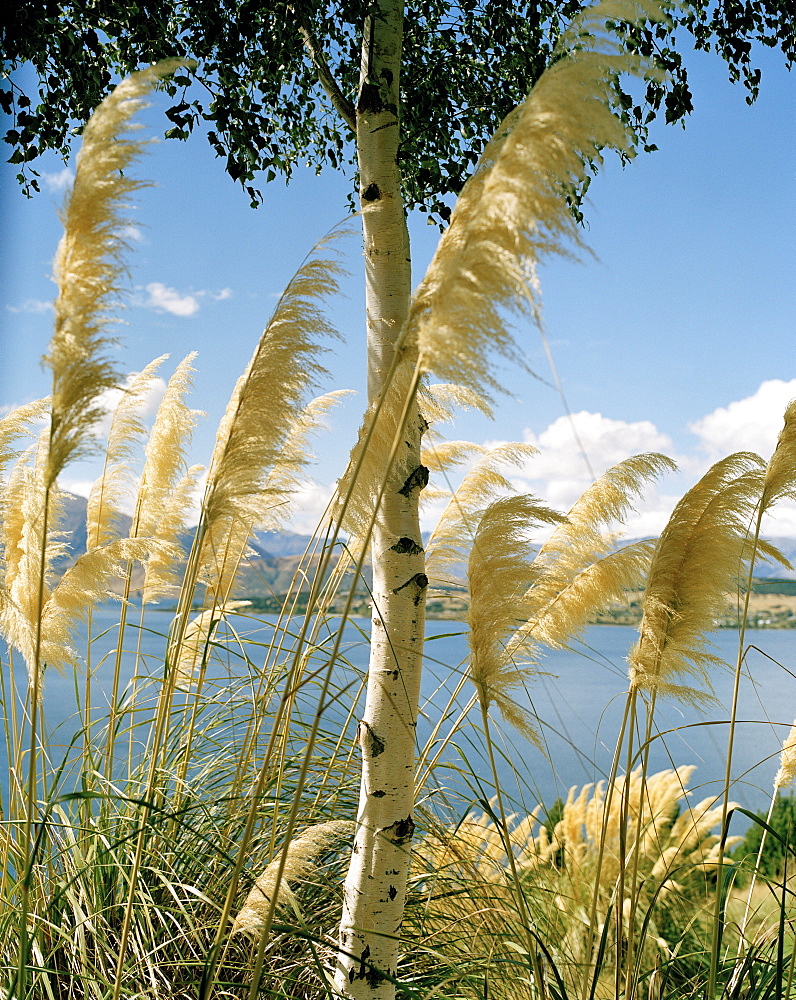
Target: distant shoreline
(762, 618)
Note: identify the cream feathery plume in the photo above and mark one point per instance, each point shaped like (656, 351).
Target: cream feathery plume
(358, 492)
(499, 572)
(556, 620)
(226, 539)
(576, 572)
(81, 588)
(440, 401)
(166, 493)
(15, 424)
(88, 268)
(439, 458)
(514, 210)
(455, 531)
(269, 396)
(287, 472)
(698, 560)
(165, 561)
(299, 867)
(261, 415)
(58, 606)
(786, 774)
(127, 428)
(197, 640)
(780, 481)
(29, 557)
(22, 530)
(444, 455)
(439, 404)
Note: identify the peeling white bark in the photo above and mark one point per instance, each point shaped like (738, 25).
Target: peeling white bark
(375, 887)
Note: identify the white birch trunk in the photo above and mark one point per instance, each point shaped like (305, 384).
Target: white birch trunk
(375, 887)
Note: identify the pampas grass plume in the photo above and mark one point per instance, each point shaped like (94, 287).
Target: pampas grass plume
(167, 490)
(107, 493)
(697, 561)
(498, 574)
(264, 417)
(780, 478)
(455, 530)
(88, 268)
(786, 774)
(578, 570)
(269, 396)
(15, 424)
(513, 210)
(298, 867)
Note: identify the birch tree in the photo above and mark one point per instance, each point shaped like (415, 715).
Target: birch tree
(375, 888)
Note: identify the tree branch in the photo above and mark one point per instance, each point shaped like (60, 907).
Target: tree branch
(343, 107)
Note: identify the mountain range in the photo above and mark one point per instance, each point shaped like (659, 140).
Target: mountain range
(275, 556)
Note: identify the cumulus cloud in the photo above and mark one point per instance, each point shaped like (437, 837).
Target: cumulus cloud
(169, 300)
(31, 306)
(560, 465)
(558, 473)
(109, 399)
(58, 180)
(131, 233)
(308, 505)
(749, 424)
(77, 487)
(163, 298)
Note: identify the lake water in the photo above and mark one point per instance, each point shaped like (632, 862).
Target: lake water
(578, 701)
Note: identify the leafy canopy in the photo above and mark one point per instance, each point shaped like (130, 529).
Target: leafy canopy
(256, 94)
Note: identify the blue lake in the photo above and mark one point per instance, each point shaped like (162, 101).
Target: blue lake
(577, 699)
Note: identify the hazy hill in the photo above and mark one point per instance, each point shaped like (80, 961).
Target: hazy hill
(272, 568)
(269, 571)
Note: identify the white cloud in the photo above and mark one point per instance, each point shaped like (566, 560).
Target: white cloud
(59, 180)
(32, 306)
(77, 487)
(166, 299)
(131, 233)
(109, 399)
(749, 424)
(561, 467)
(169, 300)
(558, 474)
(308, 503)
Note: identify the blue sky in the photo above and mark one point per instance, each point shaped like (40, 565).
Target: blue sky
(678, 336)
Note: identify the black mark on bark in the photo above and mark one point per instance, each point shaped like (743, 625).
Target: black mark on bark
(393, 892)
(371, 193)
(420, 580)
(416, 480)
(401, 831)
(372, 744)
(407, 546)
(366, 971)
(379, 794)
(373, 977)
(370, 99)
